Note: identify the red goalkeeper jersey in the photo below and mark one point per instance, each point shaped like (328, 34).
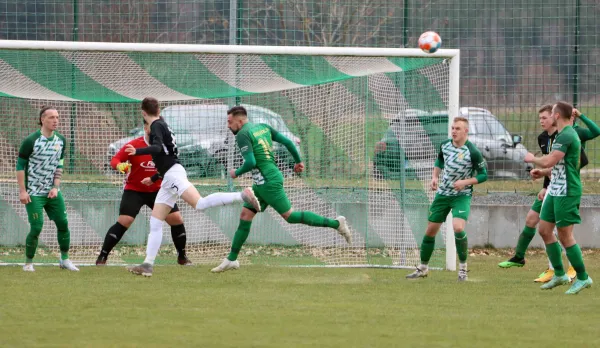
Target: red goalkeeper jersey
(142, 167)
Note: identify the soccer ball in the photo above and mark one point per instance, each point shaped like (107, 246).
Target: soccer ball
(430, 41)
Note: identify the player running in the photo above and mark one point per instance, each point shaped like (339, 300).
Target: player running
(39, 170)
(255, 142)
(561, 204)
(141, 187)
(460, 159)
(174, 184)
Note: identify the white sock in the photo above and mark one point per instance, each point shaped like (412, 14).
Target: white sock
(462, 266)
(154, 240)
(424, 267)
(219, 199)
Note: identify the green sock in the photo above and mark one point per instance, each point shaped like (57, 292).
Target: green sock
(311, 219)
(427, 247)
(31, 241)
(524, 239)
(239, 239)
(576, 259)
(462, 246)
(64, 238)
(555, 255)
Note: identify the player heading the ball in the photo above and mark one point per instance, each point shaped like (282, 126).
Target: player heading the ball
(163, 148)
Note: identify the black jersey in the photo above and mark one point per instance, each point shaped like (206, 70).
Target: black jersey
(545, 141)
(163, 147)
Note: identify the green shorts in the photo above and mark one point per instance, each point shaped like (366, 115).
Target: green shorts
(561, 210)
(537, 205)
(271, 194)
(442, 205)
(55, 208)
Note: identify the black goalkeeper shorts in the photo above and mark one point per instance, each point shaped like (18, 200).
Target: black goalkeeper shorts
(133, 201)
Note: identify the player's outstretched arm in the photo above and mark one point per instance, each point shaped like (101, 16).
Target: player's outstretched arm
(289, 145)
(158, 134)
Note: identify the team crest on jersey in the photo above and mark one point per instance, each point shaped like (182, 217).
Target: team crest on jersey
(148, 165)
(57, 147)
(461, 156)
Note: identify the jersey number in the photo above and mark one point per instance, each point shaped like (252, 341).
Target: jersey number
(266, 146)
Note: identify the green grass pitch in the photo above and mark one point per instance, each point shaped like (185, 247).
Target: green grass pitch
(261, 306)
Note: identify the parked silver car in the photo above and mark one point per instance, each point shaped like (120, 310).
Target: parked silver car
(415, 135)
(204, 141)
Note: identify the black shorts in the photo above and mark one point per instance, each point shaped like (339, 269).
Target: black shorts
(133, 201)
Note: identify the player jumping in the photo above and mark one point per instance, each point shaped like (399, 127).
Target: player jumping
(255, 142)
(174, 184)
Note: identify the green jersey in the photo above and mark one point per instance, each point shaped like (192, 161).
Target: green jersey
(39, 157)
(565, 179)
(459, 163)
(255, 142)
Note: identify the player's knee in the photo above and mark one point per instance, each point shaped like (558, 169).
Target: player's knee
(62, 225)
(286, 215)
(247, 214)
(125, 220)
(546, 231)
(458, 225)
(36, 228)
(174, 219)
(432, 229)
(532, 219)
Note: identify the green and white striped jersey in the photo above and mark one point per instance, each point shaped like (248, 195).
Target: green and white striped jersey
(459, 163)
(39, 157)
(565, 179)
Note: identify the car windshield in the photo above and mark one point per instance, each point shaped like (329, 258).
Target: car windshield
(184, 121)
(498, 130)
(481, 128)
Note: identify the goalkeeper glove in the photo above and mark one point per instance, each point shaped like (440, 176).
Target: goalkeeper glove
(124, 167)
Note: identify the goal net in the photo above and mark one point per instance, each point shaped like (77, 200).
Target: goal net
(367, 123)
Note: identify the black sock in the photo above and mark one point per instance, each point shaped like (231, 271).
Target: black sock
(179, 239)
(113, 236)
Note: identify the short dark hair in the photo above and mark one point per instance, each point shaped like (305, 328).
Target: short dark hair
(44, 109)
(545, 108)
(237, 111)
(565, 110)
(151, 106)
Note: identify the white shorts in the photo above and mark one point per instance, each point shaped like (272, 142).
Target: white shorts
(173, 185)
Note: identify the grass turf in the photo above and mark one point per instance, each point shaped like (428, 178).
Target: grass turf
(261, 306)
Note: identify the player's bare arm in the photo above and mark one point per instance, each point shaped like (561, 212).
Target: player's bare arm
(547, 161)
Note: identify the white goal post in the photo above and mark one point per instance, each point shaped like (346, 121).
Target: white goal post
(110, 68)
